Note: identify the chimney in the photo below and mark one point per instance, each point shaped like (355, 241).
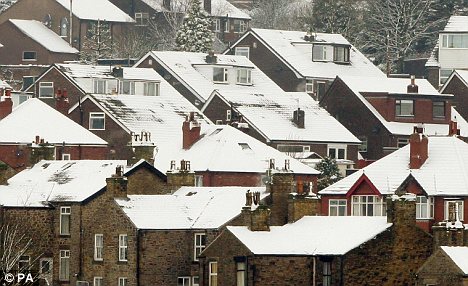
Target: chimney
(61, 102)
(281, 185)
(453, 128)
(211, 58)
(190, 131)
(117, 184)
(302, 203)
(451, 232)
(256, 215)
(299, 118)
(418, 148)
(40, 150)
(6, 106)
(143, 147)
(401, 210)
(117, 72)
(180, 176)
(207, 6)
(412, 88)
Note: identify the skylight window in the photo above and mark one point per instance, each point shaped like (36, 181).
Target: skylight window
(245, 146)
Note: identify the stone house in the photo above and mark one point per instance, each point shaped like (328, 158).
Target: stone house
(457, 85)
(30, 42)
(383, 111)
(298, 61)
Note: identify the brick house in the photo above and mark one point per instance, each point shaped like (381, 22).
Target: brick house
(382, 112)
(26, 139)
(446, 267)
(55, 14)
(297, 61)
(457, 85)
(435, 166)
(30, 42)
(314, 250)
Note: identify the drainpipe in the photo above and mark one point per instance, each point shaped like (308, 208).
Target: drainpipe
(71, 23)
(314, 270)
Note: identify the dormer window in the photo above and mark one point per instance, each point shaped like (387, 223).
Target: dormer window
(455, 41)
(319, 52)
(404, 107)
(244, 76)
(100, 86)
(151, 88)
(127, 87)
(220, 75)
(341, 54)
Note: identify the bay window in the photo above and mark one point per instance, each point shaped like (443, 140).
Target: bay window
(368, 206)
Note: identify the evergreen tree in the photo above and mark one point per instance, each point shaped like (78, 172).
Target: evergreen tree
(195, 34)
(98, 43)
(329, 173)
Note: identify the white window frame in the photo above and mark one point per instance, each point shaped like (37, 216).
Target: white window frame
(460, 208)
(46, 85)
(242, 51)
(99, 247)
(217, 25)
(65, 212)
(212, 276)
(66, 157)
(337, 148)
(97, 281)
(305, 148)
(123, 247)
(195, 280)
(99, 86)
(358, 201)
(141, 19)
(343, 51)
(338, 205)
(241, 273)
(64, 265)
(424, 207)
(123, 281)
(327, 273)
(185, 281)
(151, 88)
(241, 24)
(364, 144)
(32, 59)
(131, 87)
(64, 27)
(198, 180)
(244, 76)
(48, 260)
(97, 116)
(228, 115)
(401, 102)
(199, 244)
(226, 26)
(444, 74)
(319, 53)
(446, 41)
(224, 74)
(309, 86)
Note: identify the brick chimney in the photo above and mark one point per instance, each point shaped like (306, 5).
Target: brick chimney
(40, 150)
(450, 232)
(62, 103)
(6, 106)
(302, 203)
(190, 131)
(401, 212)
(299, 118)
(117, 184)
(211, 58)
(207, 6)
(412, 88)
(142, 146)
(418, 148)
(453, 128)
(180, 176)
(281, 185)
(117, 72)
(256, 215)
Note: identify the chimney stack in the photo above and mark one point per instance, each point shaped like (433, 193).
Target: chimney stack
(179, 177)
(412, 88)
(256, 216)
(117, 72)
(190, 131)
(418, 148)
(453, 128)
(299, 118)
(117, 184)
(281, 185)
(61, 101)
(6, 106)
(302, 203)
(211, 58)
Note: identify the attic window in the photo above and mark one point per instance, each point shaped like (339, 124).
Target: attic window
(29, 56)
(100, 86)
(341, 54)
(244, 76)
(151, 88)
(245, 146)
(141, 19)
(319, 53)
(220, 75)
(127, 87)
(404, 107)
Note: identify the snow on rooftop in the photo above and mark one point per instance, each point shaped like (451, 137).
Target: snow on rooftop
(187, 208)
(457, 24)
(222, 8)
(47, 181)
(272, 113)
(312, 235)
(289, 46)
(436, 178)
(223, 148)
(21, 127)
(102, 10)
(459, 255)
(43, 36)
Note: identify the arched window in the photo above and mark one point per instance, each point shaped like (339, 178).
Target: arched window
(64, 27)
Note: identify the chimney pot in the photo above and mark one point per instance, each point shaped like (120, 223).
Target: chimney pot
(37, 139)
(299, 118)
(248, 198)
(412, 88)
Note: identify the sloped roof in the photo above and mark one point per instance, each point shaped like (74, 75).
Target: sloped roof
(445, 172)
(312, 235)
(271, 114)
(222, 148)
(96, 10)
(187, 208)
(459, 255)
(457, 24)
(35, 118)
(43, 36)
(222, 8)
(461, 74)
(289, 47)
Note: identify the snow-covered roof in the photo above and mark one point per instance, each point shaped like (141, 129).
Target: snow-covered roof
(222, 8)
(4, 84)
(459, 255)
(43, 36)
(187, 208)
(312, 235)
(96, 10)
(433, 60)
(222, 148)
(186, 66)
(35, 118)
(461, 74)
(289, 47)
(360, 85)
(49, 181)
(271, 114)
(445, 172)
(457, 24)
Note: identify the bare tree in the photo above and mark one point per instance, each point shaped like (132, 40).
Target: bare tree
(281, 14)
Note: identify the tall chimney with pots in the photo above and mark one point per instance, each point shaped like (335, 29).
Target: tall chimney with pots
(412, 88)
(302, 203)
(190, 131)
(61, 101)
(207, 6)
(453, 128)
(419, 149)
(299, 118)
(281, 185)
(256, 216)
(117, 184)
(6, 106)
(180, 176)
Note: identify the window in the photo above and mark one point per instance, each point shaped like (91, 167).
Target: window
(363, 146)
(198, 181)
(200, 244)
(404, 107)
(455, 41)
(337, 151)
(64, 267)
(46, 89)
(97, 281)
(23, 262)
(320, 89)
(123, 281)
(213, 274)
(244, 76)
(217, 25)
(45, 266)
(64, 27)
(241, 269)
(183, 281)
(337, 207)
(242, 51)
(226, 26)
(305, 148)
(450, 210)
(327, 274)
(123, 247)
(141, 19)
(438, 109)
(309, 86)
(195, 281)
(220, 75)
(98, 246)
(291, 148)
(424, 207)
(402, 142)
(245, 146)
(444, 75)
(66, 157)
(239, 26)
(97, 121)
(228, 115)
(27, 81)
(368, 206)
(341, 54)
(319, 53)
(151, 88)
(29, 56)
(219, 122)
(100, 86)
(65, 213)
(127, 87)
